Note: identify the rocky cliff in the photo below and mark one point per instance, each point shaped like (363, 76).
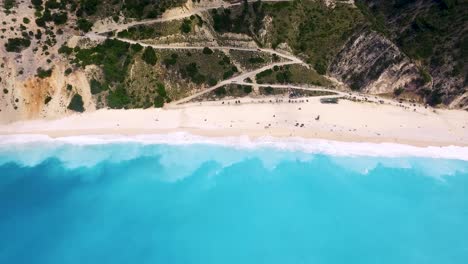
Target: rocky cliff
(371, 63)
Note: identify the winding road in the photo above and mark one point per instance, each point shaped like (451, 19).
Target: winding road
(238, 79)
(194, 11)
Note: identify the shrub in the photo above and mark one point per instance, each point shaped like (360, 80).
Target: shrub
(76, 104)
(47, 99)
(228, 74)
(17, 44)
(69, 87)
(212, 81)
(41, 73)
(60, 18)
(159, 101)
(26, 20)
(398, 91)
(221, 91)
(96, 86)
(320, 68)
(136, 47)
(68, 71)
(65, 50)
(40, 22)
(149, 56)
(284, 77)
(89, 6)
(207, 51)
(186, 26)
(118, 98)
(269, 90)
(161, 89)
(355, 86)
(82, 24)
(264, 74)
(247, 89)
(256, 60)
(426, 77)
(9, 4)
(5, 91)
(435, 97)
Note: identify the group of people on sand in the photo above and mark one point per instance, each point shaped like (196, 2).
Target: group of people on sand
(269, 101)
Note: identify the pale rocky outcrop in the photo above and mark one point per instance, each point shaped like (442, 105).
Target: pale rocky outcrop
(373, 64)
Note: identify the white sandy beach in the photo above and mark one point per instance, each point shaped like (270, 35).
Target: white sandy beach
(346, 121)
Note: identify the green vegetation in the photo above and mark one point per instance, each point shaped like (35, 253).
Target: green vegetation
(263, 74)
(256, 60)
(17, 44)
(398, 91)
(207, 51)
(292, 74)
(158, 101)
(426, 77)
(220, 92)
(431, 32)
(96, 87)
(186, 26)
(149, 56)
(26, 20)
(83, 24)
(318, 34)
(5, 90)
(68, 71)
(76, 104)
(113, 56)
(151, 31)
(147, 9)
(41, 73)
(172, 60)
(192, 70)
(47, 99)
(231, 90)
(64, 49)
(9, 4)
(162, 95)
(118, 98)
(321, 31)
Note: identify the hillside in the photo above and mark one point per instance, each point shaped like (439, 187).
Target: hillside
(60, 57)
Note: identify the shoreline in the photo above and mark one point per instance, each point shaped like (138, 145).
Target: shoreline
(217, 134)
(15, 144)
(346, 121)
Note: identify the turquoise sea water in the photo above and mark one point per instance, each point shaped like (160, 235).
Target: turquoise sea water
(134, 203)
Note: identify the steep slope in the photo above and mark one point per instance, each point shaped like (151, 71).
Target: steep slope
(373, 64)
(434, 35)
(54, 62)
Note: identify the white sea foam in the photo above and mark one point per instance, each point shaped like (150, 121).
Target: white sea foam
(87, 151)
(318, 146)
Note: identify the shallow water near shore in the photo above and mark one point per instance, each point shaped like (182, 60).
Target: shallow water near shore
(129, 202)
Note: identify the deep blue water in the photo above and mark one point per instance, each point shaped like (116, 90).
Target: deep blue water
(212, 204)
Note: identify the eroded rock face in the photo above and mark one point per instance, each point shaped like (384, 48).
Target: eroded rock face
(373, 64)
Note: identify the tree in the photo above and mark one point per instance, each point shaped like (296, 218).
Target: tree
(247, 89)
(161, 90)
(17, 44)
(159, 101)
(186, 26)
(207, 51)
(149, 56)
(76, 103)
(82, 24)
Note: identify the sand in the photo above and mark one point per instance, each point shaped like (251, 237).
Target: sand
(347, 121)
